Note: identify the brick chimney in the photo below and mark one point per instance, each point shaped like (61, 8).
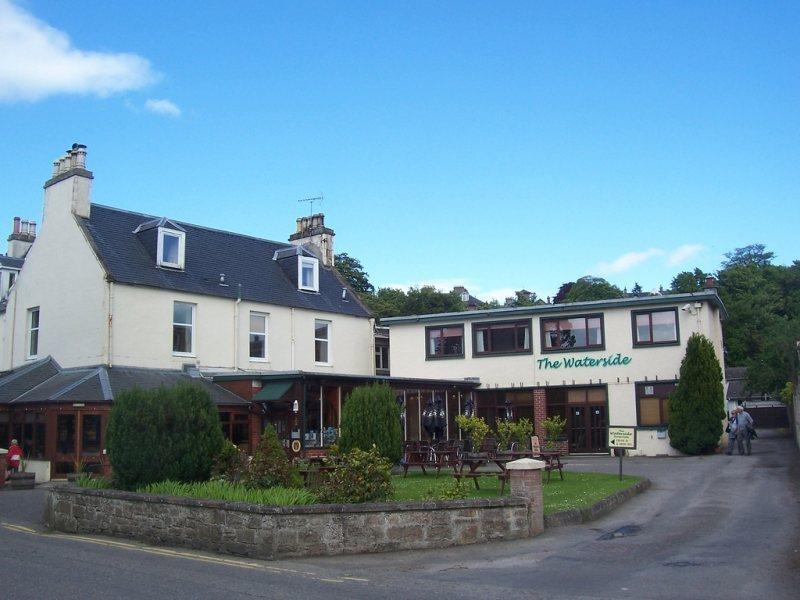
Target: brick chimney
(69, 188)
(711, 283)
(311, 231)
(22, 237)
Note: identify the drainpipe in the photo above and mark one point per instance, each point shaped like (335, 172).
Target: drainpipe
(372, 369)
(110, 341)
(13, 327)
(291, 335)
(236, 327)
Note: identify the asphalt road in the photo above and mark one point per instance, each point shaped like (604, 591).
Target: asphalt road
(710, 527)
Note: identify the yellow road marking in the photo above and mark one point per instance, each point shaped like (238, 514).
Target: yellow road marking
(232, 562)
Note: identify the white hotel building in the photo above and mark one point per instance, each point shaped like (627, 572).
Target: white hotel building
(601, 363)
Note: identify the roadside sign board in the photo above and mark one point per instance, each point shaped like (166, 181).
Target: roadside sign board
(622, 437)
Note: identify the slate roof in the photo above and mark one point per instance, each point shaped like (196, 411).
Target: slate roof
(245, 261)
(18, 381)
(10, 261)
(46, 382)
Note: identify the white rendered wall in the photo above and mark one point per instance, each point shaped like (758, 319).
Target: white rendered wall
(662, 362)
(142, 334)
(647, 363)
(61, 276)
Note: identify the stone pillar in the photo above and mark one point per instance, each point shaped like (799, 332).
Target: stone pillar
(526, 484)
(539, 411)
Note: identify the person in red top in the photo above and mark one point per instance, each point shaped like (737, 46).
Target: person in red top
(14, 456)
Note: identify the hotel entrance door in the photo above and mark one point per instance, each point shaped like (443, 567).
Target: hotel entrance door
(585, 411)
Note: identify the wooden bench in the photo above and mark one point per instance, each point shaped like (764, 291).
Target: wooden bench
(423, 456)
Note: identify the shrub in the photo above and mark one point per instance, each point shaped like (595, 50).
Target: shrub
(553, 427)
(519, 431)
(505, 433)
(165, 433)
(230, 492)
(230, 464)
(522, 431)
(371, 417)
(270, 466)
(696, 407)
(362, 476)
(475, 427)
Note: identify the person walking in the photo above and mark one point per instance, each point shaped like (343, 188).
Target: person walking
(744, 427)
(731, 431)
(14, 457)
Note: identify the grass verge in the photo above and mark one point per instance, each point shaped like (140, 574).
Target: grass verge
(578, 490)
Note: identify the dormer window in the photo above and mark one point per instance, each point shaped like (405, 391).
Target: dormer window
(308, 273)
(171, 248)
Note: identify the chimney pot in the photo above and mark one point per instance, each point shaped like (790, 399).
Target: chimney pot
(16, 224)
(33, 228)
(79, 152)
(55, 167)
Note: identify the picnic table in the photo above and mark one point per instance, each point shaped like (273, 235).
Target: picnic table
(552, 462)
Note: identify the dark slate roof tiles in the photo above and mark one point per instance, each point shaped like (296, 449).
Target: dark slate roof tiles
(17, 382)
(46, 382)
(245, 261)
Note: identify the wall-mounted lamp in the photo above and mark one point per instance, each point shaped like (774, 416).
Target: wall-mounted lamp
(295, 407)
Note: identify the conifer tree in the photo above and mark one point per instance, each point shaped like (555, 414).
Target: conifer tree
(696, 407)
(371, 416)
(164, 433)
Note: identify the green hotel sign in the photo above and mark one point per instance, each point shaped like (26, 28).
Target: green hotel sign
(612, 360)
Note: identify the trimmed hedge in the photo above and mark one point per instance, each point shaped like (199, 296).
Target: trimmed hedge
(165, 433)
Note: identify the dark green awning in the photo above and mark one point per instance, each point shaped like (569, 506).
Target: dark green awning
(272, 392)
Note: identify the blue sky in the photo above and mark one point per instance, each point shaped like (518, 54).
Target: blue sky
(496, 145)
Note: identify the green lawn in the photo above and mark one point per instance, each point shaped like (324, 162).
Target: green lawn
(578, 490)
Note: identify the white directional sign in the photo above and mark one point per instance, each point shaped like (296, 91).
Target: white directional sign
(622, 437)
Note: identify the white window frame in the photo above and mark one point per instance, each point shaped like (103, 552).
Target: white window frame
(181, 235)
(329, 325)
(193, 337)
(307, 260)
(265, 333)
(31, 329)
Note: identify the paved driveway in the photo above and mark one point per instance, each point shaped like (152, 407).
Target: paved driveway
(710, 527)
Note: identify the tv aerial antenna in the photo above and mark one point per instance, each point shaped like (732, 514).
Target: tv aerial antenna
(311, 201)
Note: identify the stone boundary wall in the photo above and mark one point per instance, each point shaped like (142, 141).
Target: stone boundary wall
(576, 516)
(271, 532)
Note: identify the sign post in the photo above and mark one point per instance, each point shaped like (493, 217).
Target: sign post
(621, 438)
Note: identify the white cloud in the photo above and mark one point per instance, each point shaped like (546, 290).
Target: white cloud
(163, 107)
(627, 261)
(683, 253)
(37, 61)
